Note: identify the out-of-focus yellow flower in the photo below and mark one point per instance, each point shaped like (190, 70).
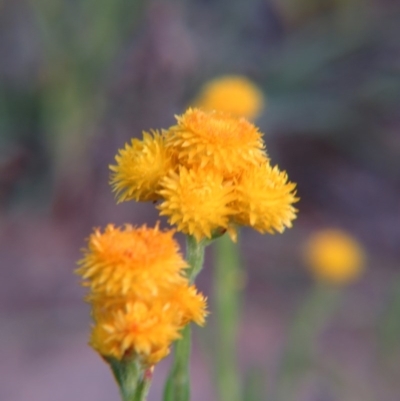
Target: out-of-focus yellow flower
(234, 94)
(334, 256)
(215, 140)
(131, 260)
(264, 199)
(197, 201)
(140, 298)
(139, 168)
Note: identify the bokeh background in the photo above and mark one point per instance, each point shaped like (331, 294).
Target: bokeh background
(78, 79)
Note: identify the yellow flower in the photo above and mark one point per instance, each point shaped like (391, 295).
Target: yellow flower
(138, 330)
(216, 140)
(139, 168)
(140, 299)
(187, 304)
(211, 174)
(234, 94)
(264, 199)
(197, 201)
(133, 328)
(139, 261)
(334, 256)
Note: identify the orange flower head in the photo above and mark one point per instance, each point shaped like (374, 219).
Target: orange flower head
(139, 168)
(132, 328)
(215, 140)
(264, 199)
(197, 201)
(188, 304)
(130, 260)
(138, 331)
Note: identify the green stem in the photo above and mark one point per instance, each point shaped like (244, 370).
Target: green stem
(133, 380)
(195, 257)
(177, 387)
(227, 304)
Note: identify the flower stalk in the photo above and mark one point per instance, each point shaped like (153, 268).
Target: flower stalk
(227, 310)
(195, 257)
(177, 387)
(133, 380)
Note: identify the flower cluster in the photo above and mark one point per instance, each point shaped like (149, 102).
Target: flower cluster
(235, 94)
(140, 296)
(210, 172)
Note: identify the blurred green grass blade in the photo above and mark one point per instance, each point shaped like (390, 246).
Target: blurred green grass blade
(389, 325)
(308, 51)
(299, 355)
(107, 25)
(80, 41)
(254, 385)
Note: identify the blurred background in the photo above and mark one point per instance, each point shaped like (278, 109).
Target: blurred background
(78, 79)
